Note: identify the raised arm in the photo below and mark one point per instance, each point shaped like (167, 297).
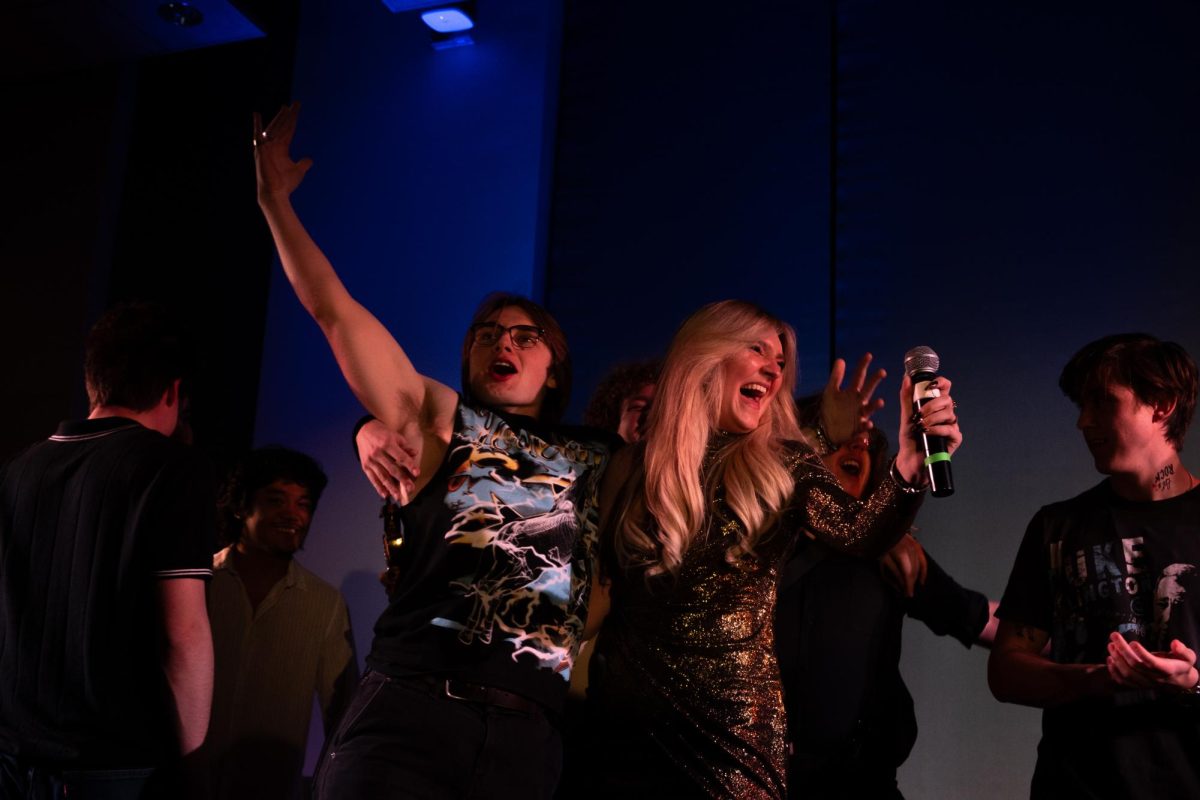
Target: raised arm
(863, 528)
(845, 411)
(869, 527)
(937, 418)
(375, 366)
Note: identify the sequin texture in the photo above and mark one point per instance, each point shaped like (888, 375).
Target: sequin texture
(689, 662)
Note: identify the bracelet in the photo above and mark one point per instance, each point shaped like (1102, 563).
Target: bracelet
(823, 439)
(902, 484)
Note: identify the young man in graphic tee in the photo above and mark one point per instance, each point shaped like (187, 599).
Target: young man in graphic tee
(1110, 579)
(471, 659)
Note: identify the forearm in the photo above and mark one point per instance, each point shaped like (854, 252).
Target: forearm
(910, 465)
(374, 365)
(310, 273)
(950, 609)
(987, 636)
(188, 665)
(861, 528)
(1033, 680)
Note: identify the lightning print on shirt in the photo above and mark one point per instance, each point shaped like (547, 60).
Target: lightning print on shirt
(517, 499)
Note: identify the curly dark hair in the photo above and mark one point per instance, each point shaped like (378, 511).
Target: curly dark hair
(1154, 370)
(260, 468)
(604, 406)
(554, 404)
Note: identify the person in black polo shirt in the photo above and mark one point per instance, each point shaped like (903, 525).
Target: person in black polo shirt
(106, 536)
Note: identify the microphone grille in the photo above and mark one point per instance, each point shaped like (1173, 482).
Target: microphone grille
(921, 359)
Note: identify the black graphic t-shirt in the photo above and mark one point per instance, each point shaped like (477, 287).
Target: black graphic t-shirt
(1090, 566)
(496, 564)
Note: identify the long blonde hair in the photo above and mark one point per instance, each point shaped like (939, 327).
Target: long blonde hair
(660, 521)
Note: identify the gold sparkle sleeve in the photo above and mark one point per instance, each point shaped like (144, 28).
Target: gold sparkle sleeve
(823, 510)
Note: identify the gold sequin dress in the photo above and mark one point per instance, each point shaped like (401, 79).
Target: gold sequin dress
(686, 693)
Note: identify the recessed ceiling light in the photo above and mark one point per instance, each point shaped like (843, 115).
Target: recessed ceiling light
(181, 13)
(448, 20)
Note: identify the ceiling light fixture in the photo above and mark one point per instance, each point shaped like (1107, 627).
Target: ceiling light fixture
(181, 13)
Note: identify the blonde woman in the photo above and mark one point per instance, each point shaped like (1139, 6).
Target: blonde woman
(700, 516)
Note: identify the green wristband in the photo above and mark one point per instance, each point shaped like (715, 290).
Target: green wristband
(932, 457)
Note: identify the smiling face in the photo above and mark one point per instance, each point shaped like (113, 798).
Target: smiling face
(506, 377)
(1121, 432)
(752, 377)
(277, 519)
(851, 464)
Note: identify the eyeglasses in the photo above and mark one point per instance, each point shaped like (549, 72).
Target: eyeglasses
(486, 334)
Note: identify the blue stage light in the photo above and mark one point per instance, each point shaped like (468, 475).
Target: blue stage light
(448, 20)
(411, 5)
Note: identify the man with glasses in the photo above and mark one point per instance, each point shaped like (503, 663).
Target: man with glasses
(471, 659)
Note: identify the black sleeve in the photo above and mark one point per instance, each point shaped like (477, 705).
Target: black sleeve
(179, 518)
(1029, 597)
(947, 608)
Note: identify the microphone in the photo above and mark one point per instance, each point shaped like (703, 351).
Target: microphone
(921, 364)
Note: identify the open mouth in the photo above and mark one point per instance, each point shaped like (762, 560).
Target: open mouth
(755, 391)
(852, 466)
(502, 368)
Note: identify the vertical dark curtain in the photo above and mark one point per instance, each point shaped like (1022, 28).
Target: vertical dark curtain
(692, 165)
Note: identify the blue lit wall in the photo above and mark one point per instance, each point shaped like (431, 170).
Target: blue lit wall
(1011, 184)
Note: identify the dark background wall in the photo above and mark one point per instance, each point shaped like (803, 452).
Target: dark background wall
(1016, 181)
(132, 179)
(1001, 183)
(693, 164)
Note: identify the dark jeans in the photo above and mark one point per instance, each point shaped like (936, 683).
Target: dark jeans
(403, 738)
(21, 781)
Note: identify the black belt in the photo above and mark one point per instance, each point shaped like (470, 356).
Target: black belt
(489, 695)
(477, 693)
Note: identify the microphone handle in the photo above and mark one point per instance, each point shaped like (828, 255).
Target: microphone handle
(937, 460)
